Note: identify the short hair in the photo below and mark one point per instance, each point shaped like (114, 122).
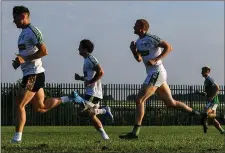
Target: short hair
(87, 44)
(144, 24)
(206, 68)
(20, 9)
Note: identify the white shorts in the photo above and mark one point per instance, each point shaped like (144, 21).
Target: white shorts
(156, 78)
(211, 105)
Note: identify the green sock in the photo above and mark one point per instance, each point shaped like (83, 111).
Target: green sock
(195, 112)
(136, 129)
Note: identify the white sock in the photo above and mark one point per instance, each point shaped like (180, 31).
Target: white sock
(101, 129)
(65, 99)
(103, 133)
(18, 136)
(100, 111)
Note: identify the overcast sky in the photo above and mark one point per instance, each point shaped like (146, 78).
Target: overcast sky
(194, 29)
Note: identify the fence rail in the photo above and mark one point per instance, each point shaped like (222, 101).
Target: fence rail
(121, 99)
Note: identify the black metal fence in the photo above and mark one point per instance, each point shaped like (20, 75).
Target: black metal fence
(121, 99)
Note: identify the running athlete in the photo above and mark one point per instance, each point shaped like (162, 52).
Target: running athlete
(211, 92)
(32, 48)
(148, 48)
(93, 73)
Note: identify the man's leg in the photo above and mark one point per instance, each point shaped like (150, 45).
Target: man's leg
(212, 116)
(41, 105)
(218, 126)
(145, 92)
(164, 93)
(99, 127)
(22, 99)
(93, 103)
(209, 113)
(204, 118)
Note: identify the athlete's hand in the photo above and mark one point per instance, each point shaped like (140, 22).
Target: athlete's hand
(133, 47)
(20, 59)
(15, 63)
(200, 93)
(77, 76)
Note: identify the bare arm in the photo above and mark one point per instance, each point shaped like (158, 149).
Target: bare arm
(37, 40)
(137, 56)
(167, 48)
(42, 51)
(98, 75)
(214, 92)
(212, 95)
(202, 93)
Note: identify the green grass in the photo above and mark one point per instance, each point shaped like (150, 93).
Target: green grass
(160, 139)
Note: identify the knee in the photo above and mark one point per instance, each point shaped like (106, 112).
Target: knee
(20, 105)
(138, 101)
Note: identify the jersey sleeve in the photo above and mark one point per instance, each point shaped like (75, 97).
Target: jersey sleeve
(93, 61)
(36, 37)
(155, 40)
(211, 81)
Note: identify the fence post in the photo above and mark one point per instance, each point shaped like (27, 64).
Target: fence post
(191, 103)
(104, 94)
(13, 103)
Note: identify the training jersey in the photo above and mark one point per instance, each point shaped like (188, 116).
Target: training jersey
(28, 39)
(148, 48)
(209, 84)
(88, 69)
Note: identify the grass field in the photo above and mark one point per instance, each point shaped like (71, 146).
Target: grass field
(163, 139)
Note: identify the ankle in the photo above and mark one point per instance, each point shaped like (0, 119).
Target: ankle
(18, 136)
